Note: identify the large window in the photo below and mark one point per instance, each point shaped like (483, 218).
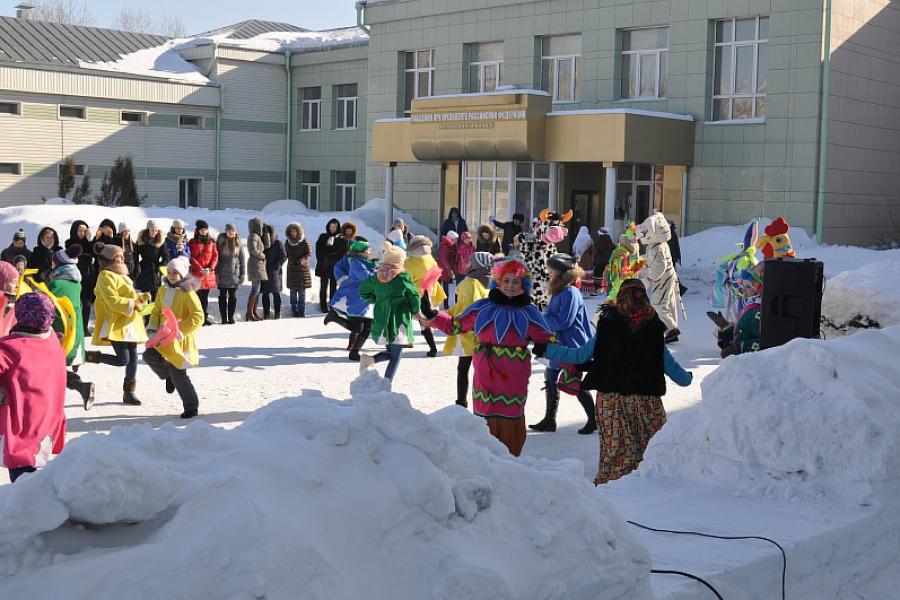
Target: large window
(345, 106)
(639, 191)
(345, 190)
(741, 69)
(309, 189)
(644, 54)
(485, 66)
(189, 192)
(561, 66)
(419, 77)
(310, 109)
(532, 189)
(486, 191)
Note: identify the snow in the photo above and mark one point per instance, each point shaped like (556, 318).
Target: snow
(622, 111)
(299, 41)
(58, 202)
(160, 61)
(869, 291)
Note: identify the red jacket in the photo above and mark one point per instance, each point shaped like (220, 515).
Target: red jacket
(204, 255)
(447, 258)
(33, 380)
(464, 251)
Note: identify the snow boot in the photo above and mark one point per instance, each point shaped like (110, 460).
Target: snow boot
(429, 337)
(548, 423)
(672, 336)
(361, 338)
(587, 403)
(189, 414)
(252, 301)
(128, 388)
(92, 356)
(170, 386)
(717, 318)
(352, 341)
(232, 306)
(86, 389)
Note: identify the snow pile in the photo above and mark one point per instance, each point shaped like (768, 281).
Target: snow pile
(868, 296)
(315, 498)
(808, 419)
(160, 61)
(279, 41)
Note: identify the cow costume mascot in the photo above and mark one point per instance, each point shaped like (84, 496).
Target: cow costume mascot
(534, 248)
(654, 233)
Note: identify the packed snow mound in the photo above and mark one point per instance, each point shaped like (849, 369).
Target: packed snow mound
(868, 296)
(808, 419)
(315, 498)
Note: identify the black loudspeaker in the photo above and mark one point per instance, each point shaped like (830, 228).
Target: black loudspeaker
(791, 300)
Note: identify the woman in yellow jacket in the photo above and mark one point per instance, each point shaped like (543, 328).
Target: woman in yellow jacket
(118, 319)
(170, 361)
(426, 275)
(471, 289)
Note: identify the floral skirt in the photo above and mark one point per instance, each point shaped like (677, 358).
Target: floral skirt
(626, 424)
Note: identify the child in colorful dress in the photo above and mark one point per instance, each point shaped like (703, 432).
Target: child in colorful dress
(425, 274)
(503, 324)
(624, 263)
(348, 309)
(171, 360)
(396, 301)
(473, 288)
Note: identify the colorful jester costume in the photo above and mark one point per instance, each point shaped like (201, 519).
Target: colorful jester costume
(624, 263)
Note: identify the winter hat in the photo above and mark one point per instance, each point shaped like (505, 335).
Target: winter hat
(561, 262)
(483, 260)
(177, 223)
(230, 227)
(452, 236)
(359, 246)
(110, 251)
(395, 236)
(9, 278)
(69, 256)
(201, 224)
(124, 227)
(19, 235)
(393, 255)
(180, 264)
(603, 231)
(34, 313)
(151, 224)
(419, 246)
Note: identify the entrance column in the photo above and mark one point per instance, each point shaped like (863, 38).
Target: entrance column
(389, 197)
(554, 185)
(609, 198)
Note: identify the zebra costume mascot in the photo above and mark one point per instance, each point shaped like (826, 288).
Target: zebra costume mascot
(654, 233)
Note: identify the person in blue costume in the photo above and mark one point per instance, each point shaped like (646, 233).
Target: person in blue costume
(571, 326)
(348, 309)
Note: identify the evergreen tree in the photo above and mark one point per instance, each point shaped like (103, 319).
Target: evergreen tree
(83, 191)
(104, 198)
(118, 187)
(66, 181)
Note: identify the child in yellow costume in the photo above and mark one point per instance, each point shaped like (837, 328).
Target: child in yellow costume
(170, 361)
(624, 263)
(473, 288)
(426, 274)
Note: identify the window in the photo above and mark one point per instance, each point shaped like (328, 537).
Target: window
(639, 191)
(309, 189)
(741, 69)
(79, 170)
(10, 108)
(189, 190)
(485, 66)
(345, 189)
(486, 191)
(644, 57)
(137, 118)
(311, 109)
(190, 122)
(561, 66)
(72, 112)
(419, 77)
(10, 169)
(532, 188)
(345, 109)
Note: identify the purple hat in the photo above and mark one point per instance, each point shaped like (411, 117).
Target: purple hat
(34, 313)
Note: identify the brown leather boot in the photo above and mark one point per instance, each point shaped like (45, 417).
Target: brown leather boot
(251, 308)
(128, 397)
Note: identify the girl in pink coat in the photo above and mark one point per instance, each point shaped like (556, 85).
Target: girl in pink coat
(32, 388)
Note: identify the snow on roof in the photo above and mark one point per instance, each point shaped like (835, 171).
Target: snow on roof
(160, 61)
(299, 41)
(620, 111)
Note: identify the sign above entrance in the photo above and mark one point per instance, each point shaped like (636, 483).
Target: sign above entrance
(474, 116)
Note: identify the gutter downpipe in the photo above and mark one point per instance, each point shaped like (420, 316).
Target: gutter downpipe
(361, 17)
(214, 70)
(823, 126)
(287, 136)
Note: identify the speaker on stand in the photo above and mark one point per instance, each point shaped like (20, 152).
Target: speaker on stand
(791, 300)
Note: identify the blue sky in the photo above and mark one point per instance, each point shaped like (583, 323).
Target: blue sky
(202, 15)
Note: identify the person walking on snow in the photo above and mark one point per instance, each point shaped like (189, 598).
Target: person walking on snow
(447, 261)
(510, 230)
(299, 251)
(152, 256)
(204, 258)
(425, 273)
(80, 235)
(603, 246)
(32, 388)
(453, 222)
(569, 322)
(230, 271)
(330, 248)
(654, 233)
(624, 263)
(274, 283)
(177, 240)
(348, 309)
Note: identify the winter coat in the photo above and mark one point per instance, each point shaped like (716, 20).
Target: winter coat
(447, 259)
(130, 251)
(299, 253)
(275, 259)
(330, 248)
(33, 382)
(568, 318)
(10, 253)
(510, 230)
(204, 257)
(257, 242)
(458, 225)
(603, 246)
(469, 291)
(182, 300)
(65, 282)
(583, 249)
(86, 260)
(418, 268)
(116, 317)
(490, 245)
(396, 301)
(232, 267)
(177, 245)
(347, 299)
(674, 245)
(152, 256)
(464, 252)
(42, 257)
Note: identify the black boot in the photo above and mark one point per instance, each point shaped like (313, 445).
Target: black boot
(462, 381)
(232, 306)
(587, 403)
(429, 337)
(128, 388)
(352, 341)
(361, 338)
(223, 308)
(332, 317)
(548, 423)
(170, 386)
(276, 306)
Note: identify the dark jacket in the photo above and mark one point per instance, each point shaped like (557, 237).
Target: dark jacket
(42, 257)
(510, 230)
(674, 245)
(604, 246)
(231, 270)
(275, 259)
(458, 225)
(627, 362)
(491, 245)
(130, 250)
(152, 255)
(86, 260)
(330, 248)
(10, 253)
(298, 255)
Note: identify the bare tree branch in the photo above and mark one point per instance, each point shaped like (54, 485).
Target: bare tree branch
(69, 12)
(133, 19)
(170, 26)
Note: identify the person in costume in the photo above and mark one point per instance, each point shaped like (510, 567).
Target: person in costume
(472, 289)
(426, 274)
(503, 323)
(742, 335)
(396, 299)
(64, 281)
(627, 360)
(172, 355)
(776, 243)
(571, 326)
(119, 322)
(348, 309)
(659, 270)
(624, 263)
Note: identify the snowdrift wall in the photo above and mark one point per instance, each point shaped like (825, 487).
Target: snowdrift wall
(314, 498)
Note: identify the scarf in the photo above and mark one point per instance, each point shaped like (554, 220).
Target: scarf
(633, 304)
(119, 268)
(387, 271)
(178, 240)
(68, 272)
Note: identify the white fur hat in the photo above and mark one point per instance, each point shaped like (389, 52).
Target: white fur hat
(180, 264)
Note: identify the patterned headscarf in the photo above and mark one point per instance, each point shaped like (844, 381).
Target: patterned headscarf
(633, 303)
(34, 313)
